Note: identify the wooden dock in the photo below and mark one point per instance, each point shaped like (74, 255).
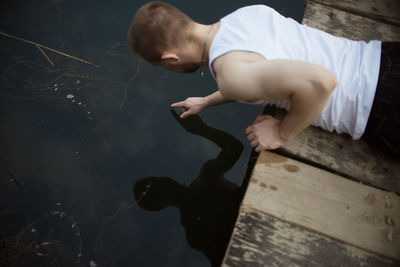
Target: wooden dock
(324, 199)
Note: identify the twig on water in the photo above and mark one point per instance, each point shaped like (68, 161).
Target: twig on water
(12, 179)
(126, 86)
(50, 49)
(45, 55)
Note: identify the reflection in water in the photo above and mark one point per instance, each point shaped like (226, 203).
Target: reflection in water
(34, 245)
(26, 79)
(58, 156)
(209, 205)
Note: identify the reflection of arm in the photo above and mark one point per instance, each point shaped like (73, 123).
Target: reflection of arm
(231, 147)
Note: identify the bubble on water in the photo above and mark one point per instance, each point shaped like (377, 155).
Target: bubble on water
(79, 103)
(33, 230)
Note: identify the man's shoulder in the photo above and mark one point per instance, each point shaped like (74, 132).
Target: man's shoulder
(249, 11)
(233, 59)
(233, 73)
(258, 7)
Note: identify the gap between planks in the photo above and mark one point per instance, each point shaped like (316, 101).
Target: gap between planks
(360, 215)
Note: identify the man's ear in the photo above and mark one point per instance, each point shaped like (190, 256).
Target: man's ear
(168, 55)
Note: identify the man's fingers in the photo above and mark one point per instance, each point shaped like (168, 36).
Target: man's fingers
(254, 143)
(178, 104)
(249, 129)
(259, 118)
(262, 117)
(251, 137)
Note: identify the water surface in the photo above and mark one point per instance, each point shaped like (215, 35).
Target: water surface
(69, 165)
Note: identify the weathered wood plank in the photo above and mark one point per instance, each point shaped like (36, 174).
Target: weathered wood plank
(340, 154)
(348, 25)
(262, 240)
(387, 11)
(353, 213)
(288, 213)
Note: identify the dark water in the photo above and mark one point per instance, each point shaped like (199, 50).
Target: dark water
(68, 169)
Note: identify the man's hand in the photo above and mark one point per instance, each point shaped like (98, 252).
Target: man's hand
(264, 134)
(191, 106)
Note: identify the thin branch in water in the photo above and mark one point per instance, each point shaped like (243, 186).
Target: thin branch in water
(12, 179)
(106, 220)
(51, 49)
(126, 87)
(61, 214)
(45, 55)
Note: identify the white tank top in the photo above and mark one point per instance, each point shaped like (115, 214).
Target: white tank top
(262, 30)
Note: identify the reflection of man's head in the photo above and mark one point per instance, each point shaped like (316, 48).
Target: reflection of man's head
(156, 193)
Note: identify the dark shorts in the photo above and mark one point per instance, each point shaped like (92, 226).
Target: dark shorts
(383, 127)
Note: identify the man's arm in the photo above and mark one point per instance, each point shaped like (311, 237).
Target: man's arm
(194, 105)
(307, 85)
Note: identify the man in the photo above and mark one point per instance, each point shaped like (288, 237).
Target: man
(258, 56)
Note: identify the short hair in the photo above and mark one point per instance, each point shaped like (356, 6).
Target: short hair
(155, 27)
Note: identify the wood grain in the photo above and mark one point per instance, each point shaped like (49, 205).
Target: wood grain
(294, 214)
(340, 154)
(262, 240)
(353, 213)
(387, 11)
(348, 25)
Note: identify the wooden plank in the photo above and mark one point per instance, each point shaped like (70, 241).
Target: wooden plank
(353, 213)
(340, 154)
(262, 240)
(387, 11)
(348, 25)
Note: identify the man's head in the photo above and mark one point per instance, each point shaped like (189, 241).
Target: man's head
(161, 34)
